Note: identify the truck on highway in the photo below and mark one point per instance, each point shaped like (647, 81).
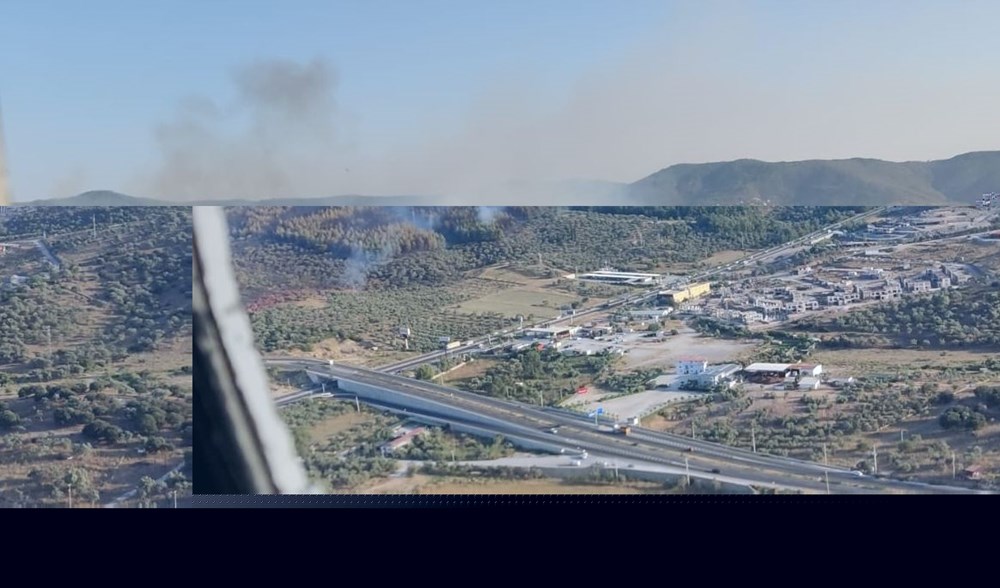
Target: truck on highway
(623, 429)
(453, 345)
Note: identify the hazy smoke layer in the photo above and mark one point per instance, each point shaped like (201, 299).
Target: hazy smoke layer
(270, 142)
(715, 81)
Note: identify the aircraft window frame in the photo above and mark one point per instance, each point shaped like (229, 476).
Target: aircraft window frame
(267, 461)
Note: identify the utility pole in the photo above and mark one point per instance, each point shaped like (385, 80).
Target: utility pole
(175, 498)
(824, 455)
(753, 438)
(954, 471)
(357, 403)
(875, 459)
(692, 428)
(687, 471)
(827, 473)
(94, 219)
(71, 496)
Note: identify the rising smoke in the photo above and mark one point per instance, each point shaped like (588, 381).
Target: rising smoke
(276, 139)
(361, 261)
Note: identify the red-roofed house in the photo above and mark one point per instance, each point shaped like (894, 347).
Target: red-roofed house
(401, 441)
(974, 472)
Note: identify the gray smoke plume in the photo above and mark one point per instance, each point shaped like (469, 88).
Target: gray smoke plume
(488, 213)
(355, 272)
(274, 140)
(361, 261)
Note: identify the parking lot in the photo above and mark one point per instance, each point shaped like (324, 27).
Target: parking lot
(648, 353)
(631, 405)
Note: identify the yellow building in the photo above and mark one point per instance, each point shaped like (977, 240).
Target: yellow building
(681, 294)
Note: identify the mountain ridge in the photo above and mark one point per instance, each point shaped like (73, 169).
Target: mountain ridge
(815, 182)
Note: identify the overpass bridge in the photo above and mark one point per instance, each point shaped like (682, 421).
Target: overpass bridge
(556, 430)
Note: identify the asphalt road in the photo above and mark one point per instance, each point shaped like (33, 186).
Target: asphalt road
(576, 431)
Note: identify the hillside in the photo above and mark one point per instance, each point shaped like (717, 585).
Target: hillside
(390, 247)
(97, 198)
(95, 344)
(940, 320)
(959, 180)
(311, 273)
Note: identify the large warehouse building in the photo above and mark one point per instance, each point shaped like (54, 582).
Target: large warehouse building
(551, 332)
(766, 373)
(679, 295)
(613, 277)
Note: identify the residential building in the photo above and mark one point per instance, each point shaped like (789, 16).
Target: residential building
(401, 441)
(917, 286)
(653, 314)
(687, 366)
(973, 472)
(717, 375)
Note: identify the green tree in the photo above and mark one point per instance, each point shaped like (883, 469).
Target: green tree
(426, 372)
(9, 418)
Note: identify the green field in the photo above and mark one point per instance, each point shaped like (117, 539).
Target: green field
(513, 302)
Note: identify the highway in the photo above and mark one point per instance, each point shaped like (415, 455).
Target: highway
(577, 432)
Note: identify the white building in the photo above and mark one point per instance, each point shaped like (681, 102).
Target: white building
(807, 383)
(613, 277)
(807, 369)
(652, 314)
(717, 375)
(918, 285)
(690, 366)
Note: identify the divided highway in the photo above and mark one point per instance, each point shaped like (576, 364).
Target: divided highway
(576, 432)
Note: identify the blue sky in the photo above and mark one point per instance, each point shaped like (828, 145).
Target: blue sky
(450, 97)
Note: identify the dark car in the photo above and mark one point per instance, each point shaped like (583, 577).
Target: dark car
(716, 471)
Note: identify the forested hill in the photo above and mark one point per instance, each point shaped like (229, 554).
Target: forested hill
(945, 319)
(393, 247)
(959, 180)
